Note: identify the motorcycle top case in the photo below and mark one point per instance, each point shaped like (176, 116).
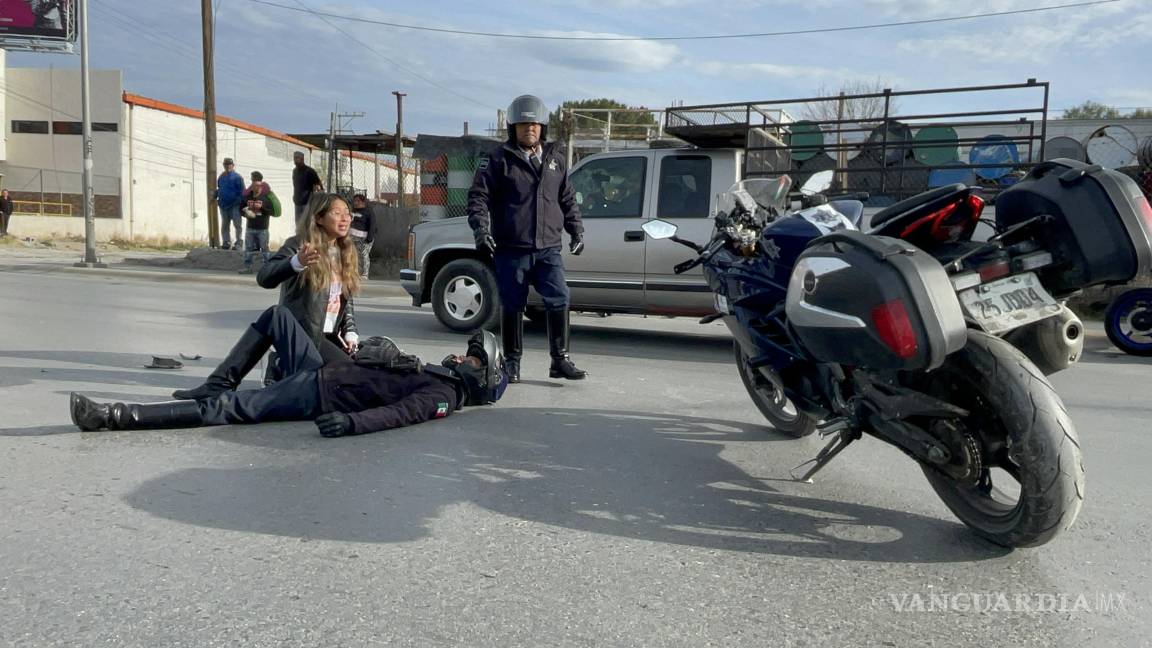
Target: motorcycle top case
(1101, 227)
(873, 302)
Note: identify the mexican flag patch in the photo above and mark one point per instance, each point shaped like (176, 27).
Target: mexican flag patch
(441, 409)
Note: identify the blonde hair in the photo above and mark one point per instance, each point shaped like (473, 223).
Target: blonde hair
(318, 277)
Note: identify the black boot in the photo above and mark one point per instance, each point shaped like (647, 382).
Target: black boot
(156, 416)
(88, 415)
(562, 366)
(512, 330)
(232, 370)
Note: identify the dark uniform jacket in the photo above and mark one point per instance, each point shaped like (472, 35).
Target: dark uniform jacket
(521, 208)
(377, 399)
(307, 305)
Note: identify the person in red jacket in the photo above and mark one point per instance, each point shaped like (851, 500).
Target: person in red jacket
(383, 389)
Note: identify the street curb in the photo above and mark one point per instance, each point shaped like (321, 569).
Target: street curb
(371, 288)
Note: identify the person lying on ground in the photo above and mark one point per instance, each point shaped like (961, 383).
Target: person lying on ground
(383, 389)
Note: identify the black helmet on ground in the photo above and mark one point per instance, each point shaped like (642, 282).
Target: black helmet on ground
(483, 382)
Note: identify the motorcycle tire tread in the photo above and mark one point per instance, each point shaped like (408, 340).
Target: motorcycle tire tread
(1044, 445)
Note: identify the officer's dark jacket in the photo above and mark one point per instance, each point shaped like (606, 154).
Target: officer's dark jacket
(523, 209)
(377, 399)
(307, 305)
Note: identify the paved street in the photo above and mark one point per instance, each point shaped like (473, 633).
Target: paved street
(646, 506)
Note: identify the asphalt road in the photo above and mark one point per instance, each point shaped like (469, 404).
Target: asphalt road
(646, 506)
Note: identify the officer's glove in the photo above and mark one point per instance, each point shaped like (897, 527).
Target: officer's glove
(484, 241)
(577, 245)
(334, 424)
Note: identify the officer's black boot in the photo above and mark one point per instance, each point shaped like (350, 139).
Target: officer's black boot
(88, 415)
(562, 367)
(155, 416)
(512, 330)
(236, 365)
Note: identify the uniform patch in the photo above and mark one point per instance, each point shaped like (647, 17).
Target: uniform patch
(552, 166)
(441, 409)
(483, 164)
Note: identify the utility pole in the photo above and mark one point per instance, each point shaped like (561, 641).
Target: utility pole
(209, 118)
(331, 188)
(89, 199)
(399, 146)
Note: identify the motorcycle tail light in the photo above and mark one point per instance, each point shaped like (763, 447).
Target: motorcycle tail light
(1146, 212)
(952, 222)
(895, 328)
(994, 270)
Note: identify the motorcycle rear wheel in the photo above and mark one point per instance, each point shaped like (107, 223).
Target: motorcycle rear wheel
(1128, 322)
(767, 393)
(1028, 445)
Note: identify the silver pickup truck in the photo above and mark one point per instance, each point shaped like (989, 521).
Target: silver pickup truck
(621, 270)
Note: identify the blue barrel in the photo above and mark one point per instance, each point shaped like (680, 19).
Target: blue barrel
(993, 149)
(951, 174)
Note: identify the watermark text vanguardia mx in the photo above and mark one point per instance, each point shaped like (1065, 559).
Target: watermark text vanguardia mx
(992, 602)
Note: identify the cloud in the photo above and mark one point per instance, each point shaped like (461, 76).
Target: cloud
(601, 56)
(1038, 40)
(721, 68)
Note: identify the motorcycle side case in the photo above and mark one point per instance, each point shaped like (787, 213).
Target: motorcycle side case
(873, 302)
(1101, 231)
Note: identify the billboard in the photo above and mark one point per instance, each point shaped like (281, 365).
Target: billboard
(37, 24)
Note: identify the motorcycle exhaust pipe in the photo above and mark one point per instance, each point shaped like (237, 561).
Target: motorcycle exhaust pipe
(1052, 344)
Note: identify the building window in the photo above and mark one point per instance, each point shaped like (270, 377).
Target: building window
(66, 128)
(105, 127)
(23, 126)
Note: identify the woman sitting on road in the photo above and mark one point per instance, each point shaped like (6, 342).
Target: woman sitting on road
(318, 275)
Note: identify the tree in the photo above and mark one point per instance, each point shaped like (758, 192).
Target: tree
(627, 122)
(1140, 113)
(864, 109)
(1091, 110)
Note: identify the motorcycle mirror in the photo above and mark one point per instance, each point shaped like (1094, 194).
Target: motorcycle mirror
(659, 229)
(817, 183)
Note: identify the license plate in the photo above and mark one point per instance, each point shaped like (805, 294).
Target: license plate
(1008, 303)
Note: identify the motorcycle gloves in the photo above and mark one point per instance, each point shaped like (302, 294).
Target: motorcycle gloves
(334, 424)
(484, 241)
(577, 245)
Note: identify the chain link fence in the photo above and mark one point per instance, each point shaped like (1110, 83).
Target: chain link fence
(444, 184)
(376, 177)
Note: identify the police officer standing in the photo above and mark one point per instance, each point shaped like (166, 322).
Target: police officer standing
(519, 204)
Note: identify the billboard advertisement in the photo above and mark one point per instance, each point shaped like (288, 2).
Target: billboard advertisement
(38, 20)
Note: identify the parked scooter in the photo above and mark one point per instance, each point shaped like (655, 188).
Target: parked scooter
(1128, 322)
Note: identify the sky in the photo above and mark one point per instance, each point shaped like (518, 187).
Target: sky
(288, 69)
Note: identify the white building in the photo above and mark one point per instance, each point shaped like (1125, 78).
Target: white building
(148, 160)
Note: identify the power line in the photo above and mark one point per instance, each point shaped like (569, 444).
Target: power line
(423, 78)
(821, 30)
(135, 27)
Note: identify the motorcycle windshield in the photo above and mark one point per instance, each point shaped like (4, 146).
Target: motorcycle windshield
(763, 193)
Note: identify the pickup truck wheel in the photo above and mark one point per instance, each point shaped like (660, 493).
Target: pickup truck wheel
(464, 296)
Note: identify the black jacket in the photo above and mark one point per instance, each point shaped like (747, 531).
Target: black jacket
(377, 399)
(304, 178)
(521, 208)
(307, 305)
